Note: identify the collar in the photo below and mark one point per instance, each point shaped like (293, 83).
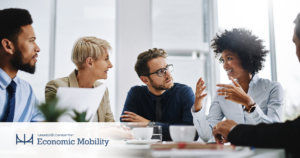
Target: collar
(73, 80)
(5, 79)
(254, 79)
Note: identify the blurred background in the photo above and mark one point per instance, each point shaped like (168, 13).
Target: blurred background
(184, 28)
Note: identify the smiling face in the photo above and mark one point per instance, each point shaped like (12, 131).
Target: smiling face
(101, 66)
(25, 53)
(232, 64)
(296, 40)
(156, 82)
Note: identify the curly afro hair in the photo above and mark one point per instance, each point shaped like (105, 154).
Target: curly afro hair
(248, 47)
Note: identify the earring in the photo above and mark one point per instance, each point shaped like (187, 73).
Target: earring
(91, 68)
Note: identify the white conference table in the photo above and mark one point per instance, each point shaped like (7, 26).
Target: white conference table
(124, 150)
(133, 150)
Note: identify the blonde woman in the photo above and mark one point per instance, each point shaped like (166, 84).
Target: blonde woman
(90, 55)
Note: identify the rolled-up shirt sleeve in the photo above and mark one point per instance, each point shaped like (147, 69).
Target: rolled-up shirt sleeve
(37, 115)
(274, 106)
(205, 125)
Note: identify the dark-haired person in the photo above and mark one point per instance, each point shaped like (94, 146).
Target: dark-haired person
(18, 51)
(160, 101)
(249, 99)
(278, 135)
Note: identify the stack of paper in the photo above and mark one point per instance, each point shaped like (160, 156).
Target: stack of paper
(79, 99)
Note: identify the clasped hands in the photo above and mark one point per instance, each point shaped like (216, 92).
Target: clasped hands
(133, 117)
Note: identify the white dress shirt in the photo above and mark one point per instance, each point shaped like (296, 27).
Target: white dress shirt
(267, 95)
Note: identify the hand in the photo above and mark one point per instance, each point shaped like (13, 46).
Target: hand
(115, 132)
(125, 128)
(235, 93)
(120, 133)
(198, 95)
(222, 129)
(132, 117)
(121, 126)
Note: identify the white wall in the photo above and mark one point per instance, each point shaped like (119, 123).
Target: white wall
(84, 18)
(178, 25)
(133, 37)
(41, 26)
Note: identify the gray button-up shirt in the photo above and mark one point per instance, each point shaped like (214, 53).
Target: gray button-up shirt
(267, 95)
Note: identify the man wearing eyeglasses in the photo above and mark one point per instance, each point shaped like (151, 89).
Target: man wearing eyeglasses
(160, 102)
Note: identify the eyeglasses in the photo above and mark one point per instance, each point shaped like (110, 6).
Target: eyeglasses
(162, 72)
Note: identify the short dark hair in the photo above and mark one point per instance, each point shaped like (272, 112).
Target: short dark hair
(11, 21)
(248, 47)
(141, 66)
(297, 22)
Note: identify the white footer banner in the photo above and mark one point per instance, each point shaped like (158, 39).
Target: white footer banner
(68, 140)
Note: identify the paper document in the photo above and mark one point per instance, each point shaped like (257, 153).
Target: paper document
(80, 99)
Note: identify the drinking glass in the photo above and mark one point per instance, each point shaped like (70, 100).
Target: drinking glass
(157, 133)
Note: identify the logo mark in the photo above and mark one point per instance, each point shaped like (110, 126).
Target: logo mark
(18, 140)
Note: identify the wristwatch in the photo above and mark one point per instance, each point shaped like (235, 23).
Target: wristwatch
(151, 124)
(251, 109)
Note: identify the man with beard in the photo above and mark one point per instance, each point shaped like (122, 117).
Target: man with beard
(18, 51)
(161, 102)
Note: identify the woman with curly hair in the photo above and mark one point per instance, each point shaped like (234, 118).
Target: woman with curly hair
(249, 99)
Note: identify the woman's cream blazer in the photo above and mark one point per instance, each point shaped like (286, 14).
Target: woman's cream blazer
(104, 110)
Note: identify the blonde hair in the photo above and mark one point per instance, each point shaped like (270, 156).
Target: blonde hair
(86, 47)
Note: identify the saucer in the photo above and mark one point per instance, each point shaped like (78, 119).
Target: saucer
(142, 141)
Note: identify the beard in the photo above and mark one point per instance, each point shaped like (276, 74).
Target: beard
(161, 86)
(17, 62)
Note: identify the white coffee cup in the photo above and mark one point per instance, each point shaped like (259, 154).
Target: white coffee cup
(182, 133)
(142, 133)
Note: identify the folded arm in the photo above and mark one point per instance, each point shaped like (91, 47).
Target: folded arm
(276, 135)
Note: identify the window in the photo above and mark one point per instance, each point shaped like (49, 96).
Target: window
(41, 26)
(241, 14)
(84, 18)
(285, 13)
(178, 28)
